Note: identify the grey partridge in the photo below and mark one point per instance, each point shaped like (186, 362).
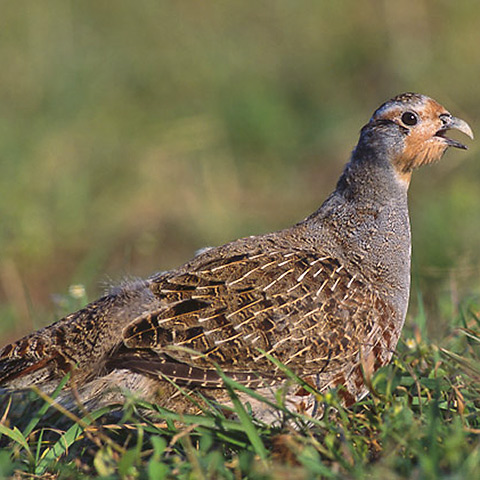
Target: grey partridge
(325, 297)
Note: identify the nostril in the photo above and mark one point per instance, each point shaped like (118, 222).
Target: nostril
(445, 118)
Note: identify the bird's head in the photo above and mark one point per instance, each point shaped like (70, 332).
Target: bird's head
(411, 129)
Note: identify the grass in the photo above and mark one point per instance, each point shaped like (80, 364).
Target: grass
(132, 135)
(421, 420)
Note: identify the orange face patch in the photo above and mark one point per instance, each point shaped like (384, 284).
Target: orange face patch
(421, 144)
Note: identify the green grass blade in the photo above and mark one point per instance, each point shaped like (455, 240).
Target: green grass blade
(17, 436)
(43, 410)
(52, 454)
(245, 419)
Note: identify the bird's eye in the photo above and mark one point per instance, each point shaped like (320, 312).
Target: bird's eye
(409, 118)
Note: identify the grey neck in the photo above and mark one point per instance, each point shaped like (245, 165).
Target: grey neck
(365, 223)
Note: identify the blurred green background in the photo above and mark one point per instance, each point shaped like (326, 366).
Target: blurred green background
(134, 133)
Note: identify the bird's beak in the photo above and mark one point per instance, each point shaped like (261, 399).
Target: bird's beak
(454, 123)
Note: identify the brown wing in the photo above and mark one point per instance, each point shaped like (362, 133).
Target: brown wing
(300, 307)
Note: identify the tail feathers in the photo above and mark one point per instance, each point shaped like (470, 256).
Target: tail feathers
(11, 368)
(19, 373)
(30, 360)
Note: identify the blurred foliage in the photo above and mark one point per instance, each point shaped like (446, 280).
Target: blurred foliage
(133, 133)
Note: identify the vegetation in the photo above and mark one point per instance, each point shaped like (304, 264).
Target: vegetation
(134, 133)
(421, 420)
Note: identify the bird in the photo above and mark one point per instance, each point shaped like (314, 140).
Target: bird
(324, 299)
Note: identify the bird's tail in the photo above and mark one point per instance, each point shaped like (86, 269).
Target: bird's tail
(81, 340)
